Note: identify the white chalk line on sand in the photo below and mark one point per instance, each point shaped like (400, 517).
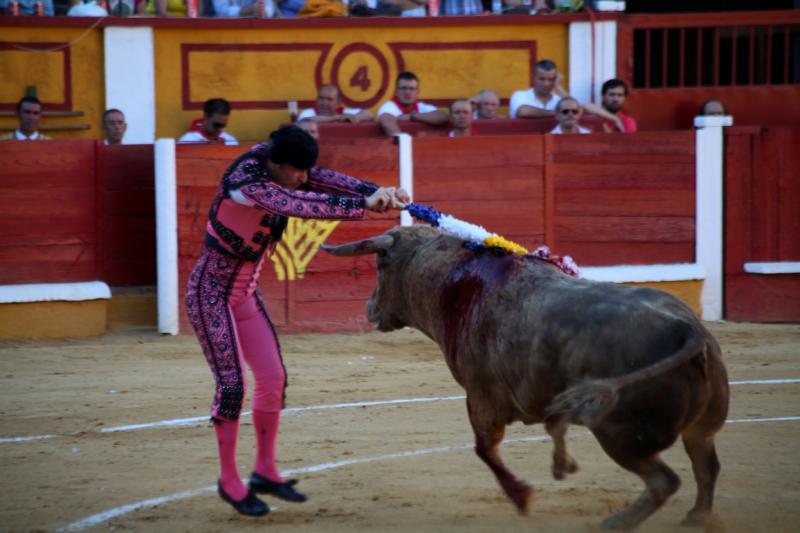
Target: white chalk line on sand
(195, 420)
(99, 518)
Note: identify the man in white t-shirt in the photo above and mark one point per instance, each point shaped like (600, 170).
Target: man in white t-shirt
(405, 105)
(541, 99)
(210, 128)
(568, 113)
(329, 108)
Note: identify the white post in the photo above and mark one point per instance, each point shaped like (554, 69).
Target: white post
(580, 58)
(406, 164)
(130, 79)
(709, 210)
(167, 236)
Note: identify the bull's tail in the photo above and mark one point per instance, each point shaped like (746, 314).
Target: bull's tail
(589, 402)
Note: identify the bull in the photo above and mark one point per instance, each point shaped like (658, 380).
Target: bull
(529, 343)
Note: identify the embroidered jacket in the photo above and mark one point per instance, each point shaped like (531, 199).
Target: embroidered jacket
(247, 231)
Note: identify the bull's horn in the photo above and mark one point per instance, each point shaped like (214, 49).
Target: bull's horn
(362, 247)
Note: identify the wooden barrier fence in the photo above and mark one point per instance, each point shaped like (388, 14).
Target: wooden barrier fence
(76, 211)
(79, 211)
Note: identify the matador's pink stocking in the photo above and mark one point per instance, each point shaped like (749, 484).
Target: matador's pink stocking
(266, 425)
(227, 432)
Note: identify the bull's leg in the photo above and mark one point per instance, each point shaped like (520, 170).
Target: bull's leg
(620, 443)
(660, 483)
(705, 465)
(563, 462)
(489, 432)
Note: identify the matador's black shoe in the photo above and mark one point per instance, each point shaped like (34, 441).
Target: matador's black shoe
(250, 505)
(285, 491)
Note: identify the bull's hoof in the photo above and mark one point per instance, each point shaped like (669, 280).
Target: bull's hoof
(694, 519)
(710, 522)
(621, 520)
(522, 496)
(570, 466)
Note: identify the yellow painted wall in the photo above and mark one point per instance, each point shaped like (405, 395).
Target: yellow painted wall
(20, 68)
(261, 75)
(688, 291)
(52, 320)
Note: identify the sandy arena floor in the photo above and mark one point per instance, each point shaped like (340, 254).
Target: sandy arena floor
(391, 466)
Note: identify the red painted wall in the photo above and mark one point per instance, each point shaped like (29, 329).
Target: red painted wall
(48, 201)
(762, 222)
(76, 211)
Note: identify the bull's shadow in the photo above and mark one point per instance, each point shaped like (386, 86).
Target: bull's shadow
(530, 343)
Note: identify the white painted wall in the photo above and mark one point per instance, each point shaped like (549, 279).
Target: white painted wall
(580, 58)
(130, 80)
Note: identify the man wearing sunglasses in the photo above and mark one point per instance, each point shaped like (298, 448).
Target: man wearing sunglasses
(568, 113)
(210, 128)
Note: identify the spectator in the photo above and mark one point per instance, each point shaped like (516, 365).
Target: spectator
(241, 8)
(114, 126)
(311, 127)
(712, 107)
(568, 113)
(329, 109)
(389, 8)
(126, 8)
(165, 8)
(209, 129)
(28, 7)
(289, 8)
(614, 92)
(29, 112)
(539, 100)
(460, 7)
(461, 119)
(405, 105)
(487, 103)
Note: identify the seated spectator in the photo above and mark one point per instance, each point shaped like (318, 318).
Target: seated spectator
(486, 103)
(210, 128)
(460, 7)
(568, 113)
(405, 105)
(242, 8)
(309, 126)
(29, 112)
(127, 8)
(289, 8)
(28, 7)
(539, 100)
(114, 126)
(614, 93)
(389, 8)
(329, 109)
(323, 8)
(712, 107)
(165, 8)
(461, 119)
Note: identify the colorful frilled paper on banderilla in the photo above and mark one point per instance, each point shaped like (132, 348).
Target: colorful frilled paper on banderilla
(477, 234)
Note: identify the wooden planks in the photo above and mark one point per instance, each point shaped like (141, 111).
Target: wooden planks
(48, 231)
(330, 295)
(127, 188)
(621, 198)
(762, 222)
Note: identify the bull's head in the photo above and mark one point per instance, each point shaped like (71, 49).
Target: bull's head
(386, 307)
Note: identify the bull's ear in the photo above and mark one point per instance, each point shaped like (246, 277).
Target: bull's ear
(366, 246)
